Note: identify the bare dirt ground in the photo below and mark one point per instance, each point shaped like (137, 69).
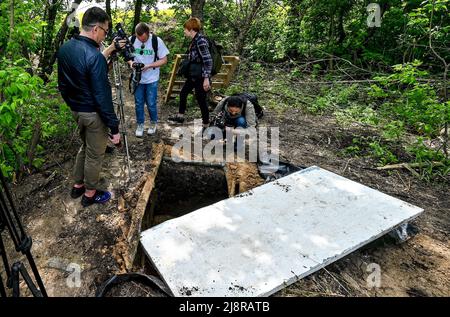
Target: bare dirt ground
(68, 238)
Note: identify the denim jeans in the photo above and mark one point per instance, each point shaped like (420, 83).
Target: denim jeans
(146, 94)
(238, 122)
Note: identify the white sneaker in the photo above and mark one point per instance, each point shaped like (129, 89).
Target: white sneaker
(152, 128)
(140, 130)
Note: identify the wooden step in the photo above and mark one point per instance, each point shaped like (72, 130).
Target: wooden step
(220, 80)
(220, 76)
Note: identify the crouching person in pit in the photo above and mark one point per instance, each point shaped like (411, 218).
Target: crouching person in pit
(234, 112)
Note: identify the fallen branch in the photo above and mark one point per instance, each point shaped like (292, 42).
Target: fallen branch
(198, 163)
(55, 163)
(409, 165)
(46, 182)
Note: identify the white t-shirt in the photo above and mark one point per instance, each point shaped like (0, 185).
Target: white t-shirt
(148, 57)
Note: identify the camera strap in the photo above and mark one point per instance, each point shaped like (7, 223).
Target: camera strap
(133, 83)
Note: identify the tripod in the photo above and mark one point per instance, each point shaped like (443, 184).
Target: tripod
(118, 101)
(10, 219)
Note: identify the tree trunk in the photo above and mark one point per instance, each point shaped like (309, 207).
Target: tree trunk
(137, 13)
(11, 18)
(340, 28)
(331, 35)
(247, 22)
(197, 8)
(240, 41)
(108, 11)
(56, 44)
(48, 49)
(295, 17)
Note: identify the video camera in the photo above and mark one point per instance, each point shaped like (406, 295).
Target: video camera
(128, 50)
(219, 120)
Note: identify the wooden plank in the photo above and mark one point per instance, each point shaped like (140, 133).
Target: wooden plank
(259, 242)
(138, 213)
(172, 76)
(231, 71)
(220, 77)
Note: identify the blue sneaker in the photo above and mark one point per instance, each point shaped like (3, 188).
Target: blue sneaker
(100, 197)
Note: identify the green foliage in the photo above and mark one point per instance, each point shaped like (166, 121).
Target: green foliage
(371, 146)
(28, 107)
(394, 130)
(410, 101)
(270, 36)
(424, 153)
(356, 113)
(355, 149)
(342, 100)
(321, 105)
(400, 104)
(382, 153)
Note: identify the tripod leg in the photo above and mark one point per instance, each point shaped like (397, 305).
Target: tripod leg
(125, 140)
(28, 280)
(17, 268)
(5, 262)
(36, 275)
(14, 282)
(2, 289)
(22, 244)
(4, 257)
(120, 109)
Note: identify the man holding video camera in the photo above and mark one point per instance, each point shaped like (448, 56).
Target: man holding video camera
(84, 86)
(150, 53)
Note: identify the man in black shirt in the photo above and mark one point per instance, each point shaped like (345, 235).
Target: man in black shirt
(84, 86)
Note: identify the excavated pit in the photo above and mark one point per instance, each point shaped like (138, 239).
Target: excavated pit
(169, 190)
(181, 188)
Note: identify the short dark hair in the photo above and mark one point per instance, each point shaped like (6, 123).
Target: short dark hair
(92, 16)
(142, 28)
(234, 101)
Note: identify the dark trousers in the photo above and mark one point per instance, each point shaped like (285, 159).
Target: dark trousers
(200, 94)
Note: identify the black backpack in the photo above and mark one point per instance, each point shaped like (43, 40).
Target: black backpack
(246, 96)
(216, 51)
(154, 45)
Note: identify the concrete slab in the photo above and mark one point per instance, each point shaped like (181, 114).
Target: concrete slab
(258, 242)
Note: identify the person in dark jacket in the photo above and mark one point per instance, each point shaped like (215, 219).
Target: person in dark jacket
(199, 77)
(84, 86)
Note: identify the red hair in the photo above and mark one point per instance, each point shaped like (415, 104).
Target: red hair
(193, 24)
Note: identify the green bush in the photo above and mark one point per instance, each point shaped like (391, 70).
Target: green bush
(29, 107)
